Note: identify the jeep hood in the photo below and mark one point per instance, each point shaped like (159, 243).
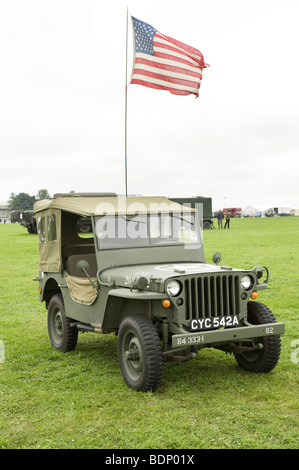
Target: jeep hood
(125, 276)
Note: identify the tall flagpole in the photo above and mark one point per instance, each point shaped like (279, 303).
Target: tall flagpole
(126, 108)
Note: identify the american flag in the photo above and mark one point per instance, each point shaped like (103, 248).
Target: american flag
(164, 63)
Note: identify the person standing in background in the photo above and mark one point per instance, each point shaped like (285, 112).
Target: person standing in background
(220, 217)
(227, 219)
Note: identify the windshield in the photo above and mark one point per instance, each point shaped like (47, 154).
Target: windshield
(146, 230)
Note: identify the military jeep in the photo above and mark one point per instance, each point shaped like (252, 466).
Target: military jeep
(143, 276)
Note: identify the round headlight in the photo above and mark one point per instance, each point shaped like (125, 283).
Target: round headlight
(173, 288)
(246, 282)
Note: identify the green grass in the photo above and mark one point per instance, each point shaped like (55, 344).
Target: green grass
(79, 399)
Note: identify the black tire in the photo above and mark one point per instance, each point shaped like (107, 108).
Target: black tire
(61, 334)
(265, 359)
(140, 353)
(30, 229)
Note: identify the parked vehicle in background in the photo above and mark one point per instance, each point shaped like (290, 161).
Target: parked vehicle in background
(235, 211)
(278, 211)
(295, 212)
(28, 221)
(15, 217)
(202, 204)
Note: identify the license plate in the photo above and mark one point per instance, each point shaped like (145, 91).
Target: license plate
(210, 323)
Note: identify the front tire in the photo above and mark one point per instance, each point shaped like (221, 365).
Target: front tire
(61, 334)
(265, 359)
(140, 353)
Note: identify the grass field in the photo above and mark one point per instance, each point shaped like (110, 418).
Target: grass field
(79, 399)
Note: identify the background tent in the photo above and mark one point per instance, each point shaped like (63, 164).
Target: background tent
(250, 211)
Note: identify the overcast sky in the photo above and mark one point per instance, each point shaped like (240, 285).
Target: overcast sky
(62, 95)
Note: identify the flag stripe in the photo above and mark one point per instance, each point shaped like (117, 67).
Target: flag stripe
(171, 78)
(157, 81)
(167, 75)
(167, 54)
(174, 91)
(164, 43)
(171, 64)
(170, 52)
(189, 49)
(158, 45)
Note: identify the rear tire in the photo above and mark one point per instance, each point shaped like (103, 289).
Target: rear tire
(265, 359)
(61, 334)
(140, 353)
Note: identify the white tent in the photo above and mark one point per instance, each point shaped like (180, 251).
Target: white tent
(250, 211)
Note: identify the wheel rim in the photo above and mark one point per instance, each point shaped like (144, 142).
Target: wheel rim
(132, 355)
(251, 356)
(57, 326)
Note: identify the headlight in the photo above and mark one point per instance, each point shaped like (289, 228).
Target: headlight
(246, 282)
(173, 288)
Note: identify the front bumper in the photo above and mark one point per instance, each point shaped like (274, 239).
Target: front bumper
(229, 334)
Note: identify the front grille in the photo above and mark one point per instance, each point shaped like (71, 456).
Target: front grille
(211, 296)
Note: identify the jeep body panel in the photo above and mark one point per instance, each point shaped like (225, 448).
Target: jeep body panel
(204, 338)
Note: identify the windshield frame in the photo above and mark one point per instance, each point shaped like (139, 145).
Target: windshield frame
(158, 221)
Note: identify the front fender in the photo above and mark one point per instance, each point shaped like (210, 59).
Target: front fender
(122, 302)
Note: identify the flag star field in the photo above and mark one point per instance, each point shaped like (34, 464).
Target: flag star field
(144, 37)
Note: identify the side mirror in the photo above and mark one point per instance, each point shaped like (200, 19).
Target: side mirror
(216, 258)
(83, 265)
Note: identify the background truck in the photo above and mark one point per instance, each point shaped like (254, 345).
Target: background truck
(235, 211)
(278, 211)
(202, 204)
(28, 221)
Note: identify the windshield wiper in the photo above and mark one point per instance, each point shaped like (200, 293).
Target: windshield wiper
(181, 218)
(132, 220)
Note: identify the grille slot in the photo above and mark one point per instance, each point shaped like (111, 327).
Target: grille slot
(211, 296)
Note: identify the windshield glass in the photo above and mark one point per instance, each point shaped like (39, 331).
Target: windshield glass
(147, 230)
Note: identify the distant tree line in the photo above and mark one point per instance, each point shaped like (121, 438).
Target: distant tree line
(24, 202)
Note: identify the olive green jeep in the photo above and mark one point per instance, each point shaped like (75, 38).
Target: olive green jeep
(143, 275)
